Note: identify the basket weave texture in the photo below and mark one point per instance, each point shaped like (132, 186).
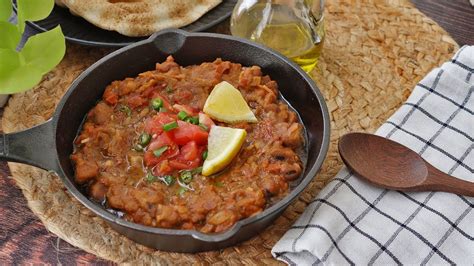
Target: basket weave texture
(374, 54)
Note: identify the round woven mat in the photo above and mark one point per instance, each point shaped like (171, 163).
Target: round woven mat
(374, 54)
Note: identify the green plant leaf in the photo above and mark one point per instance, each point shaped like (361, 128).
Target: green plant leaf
(45, 50)
(17, 81)
(10, 35)
(9, 59)
(33, 10)
(5, 10)
(20, 71)
(15, 76)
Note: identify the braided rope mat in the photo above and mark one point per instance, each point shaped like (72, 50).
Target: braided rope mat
(374, 53)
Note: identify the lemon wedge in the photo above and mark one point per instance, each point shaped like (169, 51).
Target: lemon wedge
(223, 145)
(226, 104)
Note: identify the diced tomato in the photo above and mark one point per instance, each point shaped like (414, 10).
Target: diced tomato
(189, 151)
(188, 158)
(201, 150)
(150, 159)
(185, 165)
(148, 92)
(163, 168)
(154, 125)
(111, 96)
(162, 140)
(188, 109)
(178, 165)
(191, 138)
(136, 101)
(187, 132)
(205, 120)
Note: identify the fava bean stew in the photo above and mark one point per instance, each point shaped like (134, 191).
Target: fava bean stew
(141, 148)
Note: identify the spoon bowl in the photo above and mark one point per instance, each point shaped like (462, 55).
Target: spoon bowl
(389, 164)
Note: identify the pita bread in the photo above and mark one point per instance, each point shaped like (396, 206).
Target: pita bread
(139, 17)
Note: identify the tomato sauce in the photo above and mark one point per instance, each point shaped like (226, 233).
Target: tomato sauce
(141, 148)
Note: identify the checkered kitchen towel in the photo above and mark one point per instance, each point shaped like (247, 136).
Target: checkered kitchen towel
(352, 222)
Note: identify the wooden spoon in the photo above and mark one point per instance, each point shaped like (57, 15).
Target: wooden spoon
(388, 164)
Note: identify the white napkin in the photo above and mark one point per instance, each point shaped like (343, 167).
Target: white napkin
(352, 222)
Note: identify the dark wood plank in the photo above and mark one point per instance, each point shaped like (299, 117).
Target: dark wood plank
(455, 16)
(23, 238)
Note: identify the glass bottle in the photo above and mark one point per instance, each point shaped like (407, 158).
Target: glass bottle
(293, 27)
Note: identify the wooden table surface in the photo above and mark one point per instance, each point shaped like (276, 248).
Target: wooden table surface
(23, 238)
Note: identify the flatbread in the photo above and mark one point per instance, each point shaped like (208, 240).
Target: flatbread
(139, 17)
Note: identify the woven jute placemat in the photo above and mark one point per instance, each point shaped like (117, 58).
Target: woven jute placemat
(374, 54)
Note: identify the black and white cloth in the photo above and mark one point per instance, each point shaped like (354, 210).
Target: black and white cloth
(352, 222)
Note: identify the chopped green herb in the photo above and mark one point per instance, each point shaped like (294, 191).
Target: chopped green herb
(170, 126)
(163, 110)
(182, 190)
(182, 115)
(192, 120)
(156, 104)
(197, 170)
(203, 127)
(219, 184)
(204, 155)
(125, 109)
(150, 177)
(158, 152)
(169, 89)
(168, 180)
(186, 176)
(138, 147)
(144, 139)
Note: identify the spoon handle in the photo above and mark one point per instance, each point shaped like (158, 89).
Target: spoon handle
(440, 181)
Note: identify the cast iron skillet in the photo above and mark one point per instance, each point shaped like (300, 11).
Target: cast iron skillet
(49, 145)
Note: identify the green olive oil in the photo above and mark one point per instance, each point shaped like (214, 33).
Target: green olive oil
(277, 27)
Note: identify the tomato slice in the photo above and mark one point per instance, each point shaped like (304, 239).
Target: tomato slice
(187, 132)
(162, 140)
(154, 125)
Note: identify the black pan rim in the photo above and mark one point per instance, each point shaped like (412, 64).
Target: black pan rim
(217, 237)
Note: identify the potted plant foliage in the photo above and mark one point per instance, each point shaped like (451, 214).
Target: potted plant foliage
(22, 68)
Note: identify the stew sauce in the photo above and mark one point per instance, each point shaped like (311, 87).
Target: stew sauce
(115, 158)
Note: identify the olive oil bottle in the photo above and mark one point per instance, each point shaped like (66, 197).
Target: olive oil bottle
(293, 27)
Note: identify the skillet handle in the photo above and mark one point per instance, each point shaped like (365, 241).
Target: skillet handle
(34, 146)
